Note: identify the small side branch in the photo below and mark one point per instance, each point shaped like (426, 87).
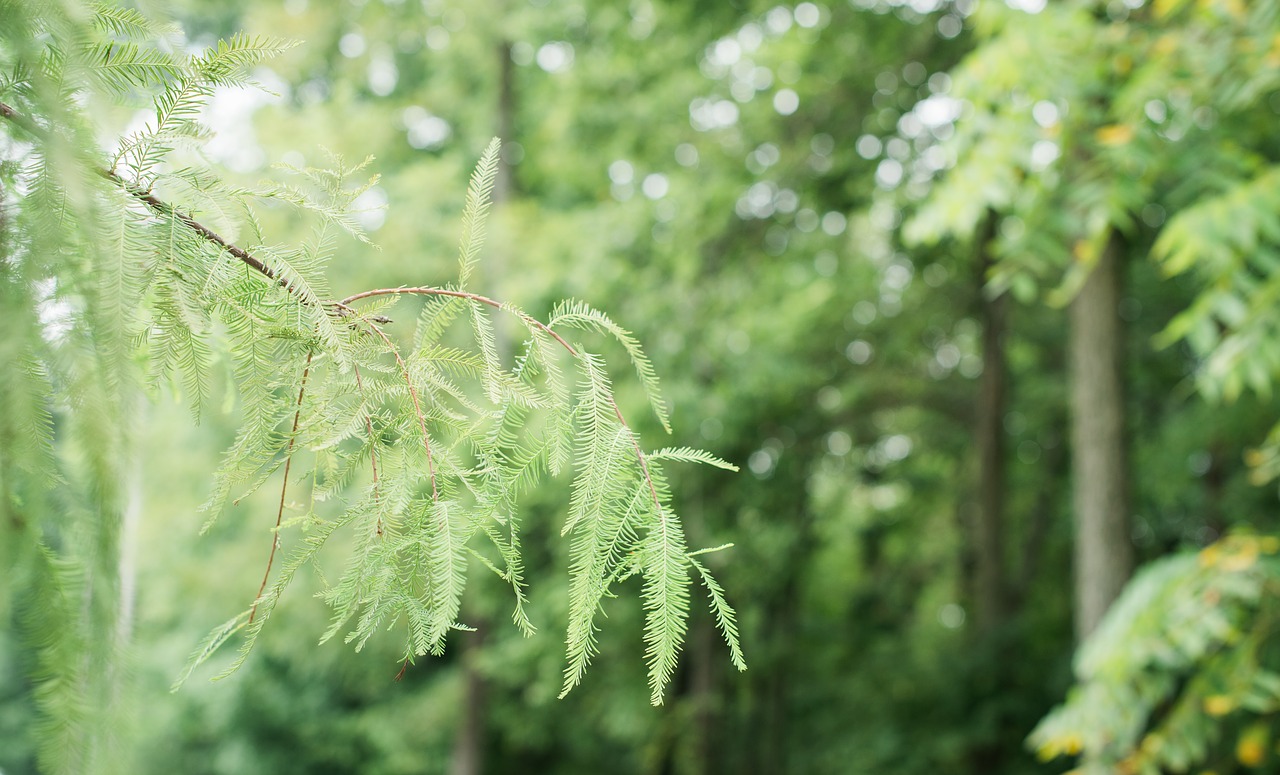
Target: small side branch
(373, 451)
(284, 486)
(644, 461)
(156, 205)
(413, 394)
(428, 291)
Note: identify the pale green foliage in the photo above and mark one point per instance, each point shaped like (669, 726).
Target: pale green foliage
(1071, 124)
(1178, 668)
(1231, 243)
(121, 273)
(579, 315)
(451, 434)
(476, 211)
(1172, 137)
(995, 169)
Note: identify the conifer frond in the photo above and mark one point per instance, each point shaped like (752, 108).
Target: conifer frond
(333, 194)
(598, 555)
(664, 564)
(489, 350)
(691, 455)
(127, 22)
(559, 426)
(436, 383)
(509, 549)
(446, 565)
(726, 619)
(211, 643)
(438, 314)
(120, 282)
(227, 62)
(579, 315)
(121, 66)
(257, 444)
(476, 211)
(600, 442)
(177, 111)
(451, 360)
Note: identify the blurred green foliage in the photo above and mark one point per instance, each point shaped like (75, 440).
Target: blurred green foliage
(1183, 672)
(782, 201)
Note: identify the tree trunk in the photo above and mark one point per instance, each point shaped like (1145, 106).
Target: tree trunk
(1100, 488)
(468, 742)
(504, 185)
(990, 588)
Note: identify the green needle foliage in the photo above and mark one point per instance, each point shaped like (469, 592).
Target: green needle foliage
(113, 278)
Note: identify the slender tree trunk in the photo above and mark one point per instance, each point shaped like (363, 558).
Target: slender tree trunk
(468, 742)
(504, 185)
(702, 691)
(1103, 548)
(990, 587)
(1215, 480)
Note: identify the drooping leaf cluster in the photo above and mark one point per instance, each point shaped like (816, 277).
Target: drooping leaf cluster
(130, 266)
(1183, 671)
(1083, 125)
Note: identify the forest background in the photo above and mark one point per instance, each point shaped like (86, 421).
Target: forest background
(979, 296)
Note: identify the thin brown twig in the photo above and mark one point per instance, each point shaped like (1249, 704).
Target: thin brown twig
(413, 393)
(428, 291)
(644, 461)
(158, 206)
(284, 486)
(373, 451)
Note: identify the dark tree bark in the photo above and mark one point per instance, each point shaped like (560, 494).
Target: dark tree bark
(504, 186)
(990, 571)
(1100, 487)
(468, 742)
(703, 691)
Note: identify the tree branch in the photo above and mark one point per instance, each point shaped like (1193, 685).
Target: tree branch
(164, 208)
(343, 307)
(156, 205)
(26, 124)
(413, 393)
(427, 291)
(640, 456)
(373, 449)
(284, 485)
